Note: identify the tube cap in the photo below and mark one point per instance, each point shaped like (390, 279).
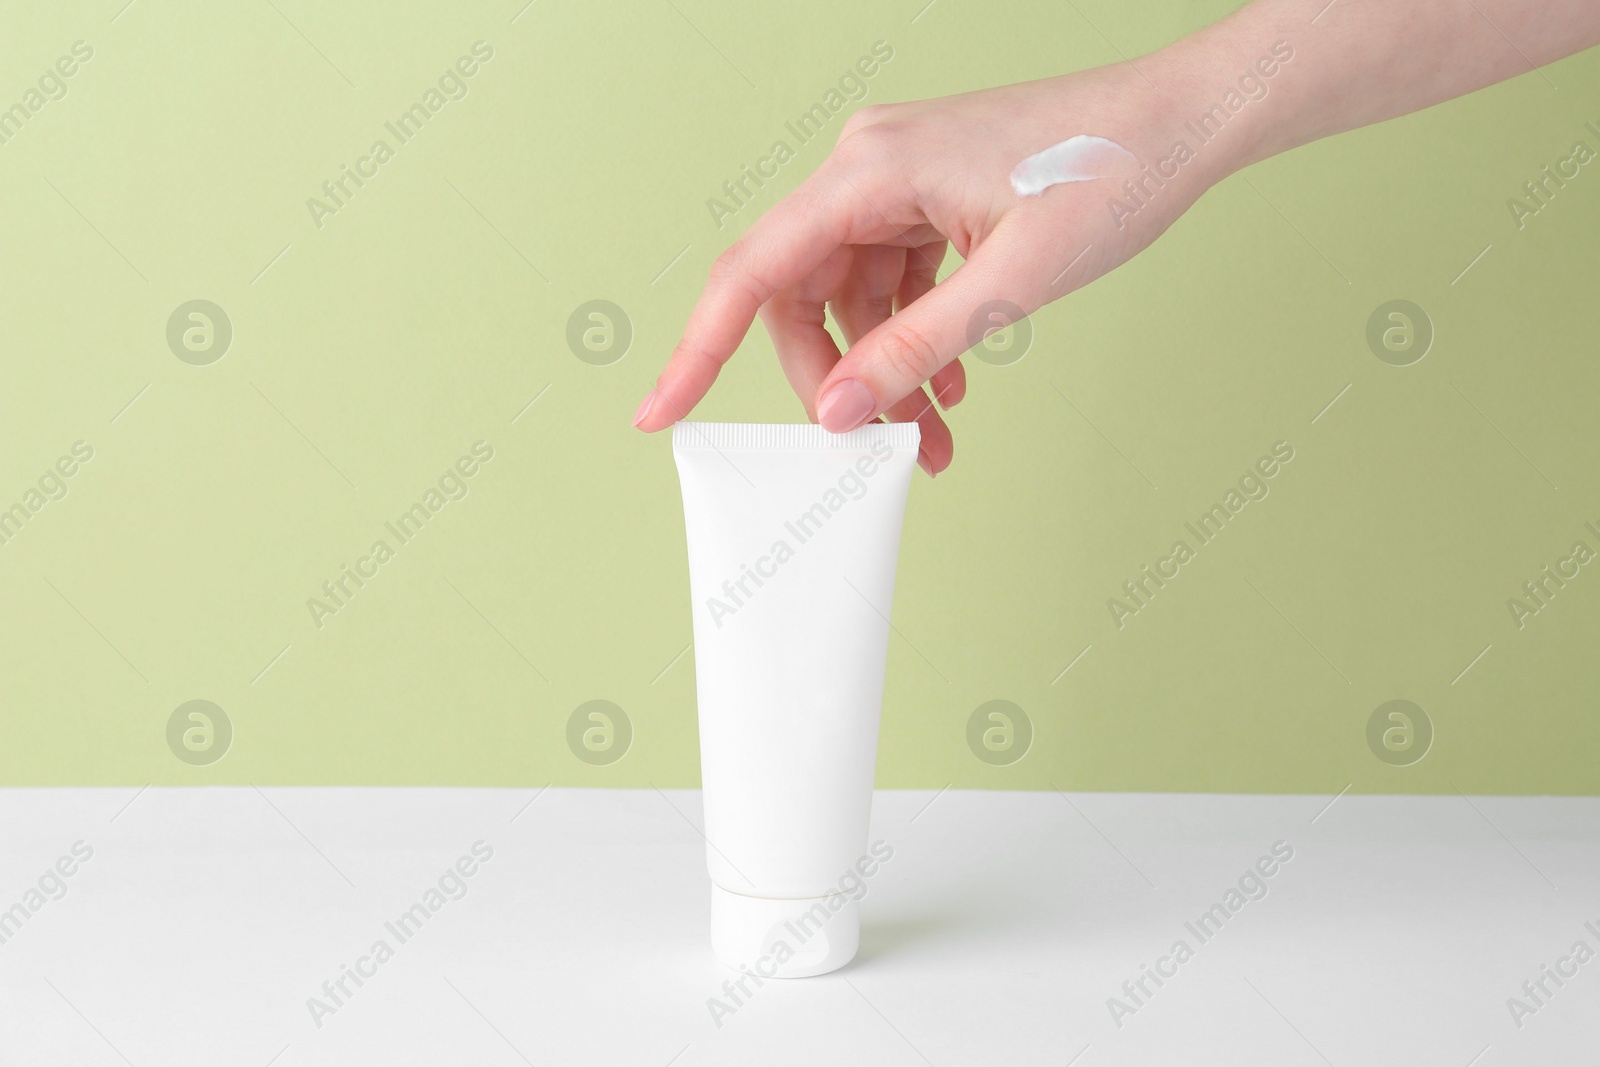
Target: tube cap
(791, 938)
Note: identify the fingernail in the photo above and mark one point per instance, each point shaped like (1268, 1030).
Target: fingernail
(644, 407)
(846, 405)
(924, 462)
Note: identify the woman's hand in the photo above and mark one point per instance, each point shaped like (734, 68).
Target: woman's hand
(864, 235)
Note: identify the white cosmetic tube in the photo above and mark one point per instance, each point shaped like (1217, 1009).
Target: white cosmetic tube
(793, 533)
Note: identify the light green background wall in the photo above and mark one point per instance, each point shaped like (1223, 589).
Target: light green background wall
(428, 312)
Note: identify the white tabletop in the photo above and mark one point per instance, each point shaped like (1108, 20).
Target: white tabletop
(206, 919)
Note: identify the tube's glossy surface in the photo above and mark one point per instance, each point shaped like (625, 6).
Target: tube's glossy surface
(793, 534)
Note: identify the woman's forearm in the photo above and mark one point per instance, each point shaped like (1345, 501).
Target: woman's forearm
(1356, 62)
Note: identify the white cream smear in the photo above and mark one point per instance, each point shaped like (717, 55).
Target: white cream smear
(1084, 158)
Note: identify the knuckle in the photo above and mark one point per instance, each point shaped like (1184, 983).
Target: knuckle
(907, 354)
(732, 269)
(728, 266)
(871, 143)
(864, 117)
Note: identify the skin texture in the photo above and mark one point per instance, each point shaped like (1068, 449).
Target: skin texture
(863, 236)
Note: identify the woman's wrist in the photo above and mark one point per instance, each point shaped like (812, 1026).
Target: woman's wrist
(1230, 87)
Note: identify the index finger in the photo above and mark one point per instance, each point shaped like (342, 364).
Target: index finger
(782, 247)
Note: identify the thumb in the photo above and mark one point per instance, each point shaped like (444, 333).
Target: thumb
(992, 289)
